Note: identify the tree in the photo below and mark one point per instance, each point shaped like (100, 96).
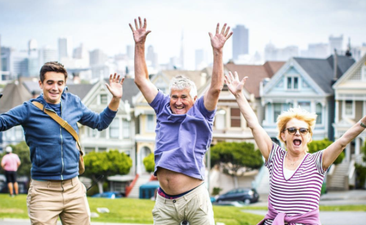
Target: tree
(315, 146)
(361, 170)
(100, 165)
(149, 163)
(236, 157)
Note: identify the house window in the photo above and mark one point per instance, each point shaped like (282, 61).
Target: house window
(102, 149)
(103, 99)
(235, 117)
(220, 119)
(292, 83)
(88, 150)
(319, 113)
(348, 108)
(103, 134)
(276, 110)
(150, 123)
(126, 129)
(93, 132)
(114, 129)
(305, 106)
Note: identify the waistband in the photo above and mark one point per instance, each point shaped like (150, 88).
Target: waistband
(165, 195)
(57, 183)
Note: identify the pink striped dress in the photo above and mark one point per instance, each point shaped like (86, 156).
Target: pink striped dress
(301, 192)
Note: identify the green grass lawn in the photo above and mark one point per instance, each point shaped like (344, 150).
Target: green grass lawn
(128, 210)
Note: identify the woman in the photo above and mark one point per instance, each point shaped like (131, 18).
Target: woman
(296, 176)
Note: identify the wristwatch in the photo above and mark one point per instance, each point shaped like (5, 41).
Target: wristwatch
(362, 125)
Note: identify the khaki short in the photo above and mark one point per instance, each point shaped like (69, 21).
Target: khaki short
(49, 200)
(194, 207)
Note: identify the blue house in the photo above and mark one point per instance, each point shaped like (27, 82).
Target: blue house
(305, 83)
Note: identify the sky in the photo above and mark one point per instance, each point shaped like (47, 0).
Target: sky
(104, 24)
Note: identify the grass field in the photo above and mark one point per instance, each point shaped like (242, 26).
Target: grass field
(128, 210)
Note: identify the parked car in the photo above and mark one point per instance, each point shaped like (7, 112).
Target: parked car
(22, 184)
(108, 194)
(244, 195)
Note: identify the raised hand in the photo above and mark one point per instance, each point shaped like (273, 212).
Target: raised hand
(115, 85)
(233, 83)
(218, 40)
(140, 32)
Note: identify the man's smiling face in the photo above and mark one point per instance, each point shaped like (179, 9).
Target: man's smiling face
(181, 101)
(53, 86)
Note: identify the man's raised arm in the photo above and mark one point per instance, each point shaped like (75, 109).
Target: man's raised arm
(142, 80)
(217, 80)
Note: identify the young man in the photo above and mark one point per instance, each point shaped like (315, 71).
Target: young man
(183, 135)
(55, 190)
(10, 163)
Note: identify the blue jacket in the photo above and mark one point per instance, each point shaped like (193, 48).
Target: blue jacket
(53, 151)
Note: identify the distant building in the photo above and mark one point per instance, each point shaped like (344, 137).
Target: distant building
(271, 53)
(336, 43)
(200, 59)
(240, 41)
(64, 48)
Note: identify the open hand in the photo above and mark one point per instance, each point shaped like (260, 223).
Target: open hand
(233, 83)
(140, 32)
(218, 40)
(115, 85)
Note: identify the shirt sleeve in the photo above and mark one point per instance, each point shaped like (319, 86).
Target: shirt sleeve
(201, 106)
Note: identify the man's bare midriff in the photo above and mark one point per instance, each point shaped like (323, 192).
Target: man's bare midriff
(174, 183)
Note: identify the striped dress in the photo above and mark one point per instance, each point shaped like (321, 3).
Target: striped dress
(301, 192)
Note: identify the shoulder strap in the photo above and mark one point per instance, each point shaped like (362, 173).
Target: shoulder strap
(60, 121)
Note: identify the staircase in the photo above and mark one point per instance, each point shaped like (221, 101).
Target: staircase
(135, 192)
(338, 179)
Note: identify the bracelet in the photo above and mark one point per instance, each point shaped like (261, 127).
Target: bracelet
(362, 125)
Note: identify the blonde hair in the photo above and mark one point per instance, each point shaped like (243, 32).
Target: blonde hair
(297, 113)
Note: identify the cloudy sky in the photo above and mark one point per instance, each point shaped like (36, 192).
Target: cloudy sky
(104, 24)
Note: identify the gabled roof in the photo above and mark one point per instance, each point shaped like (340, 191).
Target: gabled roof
(322, 71)
(351, 72)
(80, 90)
(14, 94)
(130, 89)
(255, 73)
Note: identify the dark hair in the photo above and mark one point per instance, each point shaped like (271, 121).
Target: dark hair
(52, 67)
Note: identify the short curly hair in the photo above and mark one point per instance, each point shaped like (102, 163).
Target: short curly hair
(297, 113)
(181, 82)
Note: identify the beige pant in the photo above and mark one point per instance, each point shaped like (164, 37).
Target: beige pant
(194, 207)
(48, 200)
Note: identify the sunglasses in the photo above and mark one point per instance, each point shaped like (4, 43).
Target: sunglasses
(293, 130)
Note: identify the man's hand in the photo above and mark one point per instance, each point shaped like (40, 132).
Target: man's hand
(140, 33)
(115, 85)
(234, 84)
(218, 40)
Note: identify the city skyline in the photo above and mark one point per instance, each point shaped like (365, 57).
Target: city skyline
(104, 25)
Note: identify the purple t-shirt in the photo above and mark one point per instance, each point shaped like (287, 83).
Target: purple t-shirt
(182, 140)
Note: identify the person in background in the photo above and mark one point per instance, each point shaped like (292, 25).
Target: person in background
(183, 135)
(296, 176)
(10, 163)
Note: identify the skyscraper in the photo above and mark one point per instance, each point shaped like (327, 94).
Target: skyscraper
(240, 41)
(64, 48)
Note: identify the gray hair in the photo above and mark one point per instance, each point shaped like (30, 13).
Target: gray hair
(180, 83)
